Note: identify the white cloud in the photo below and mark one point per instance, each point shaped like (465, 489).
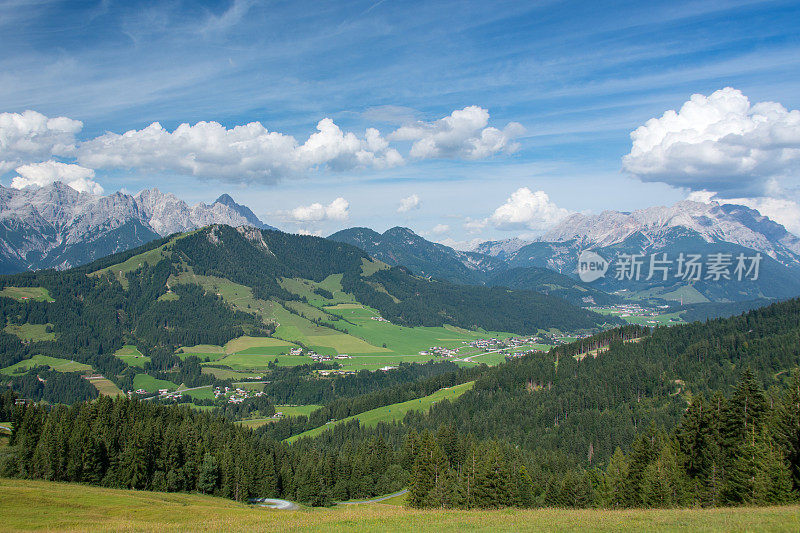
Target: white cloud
(781, 210)
(242, 153)
(460, 245)
(438, 229)
(30, 136)
(314, 233)
(339, 209)
(526, 209)
(703, 196)
(461, 135)
(720, 142)
(249, 152)
(41, 174)
(408, 203)
(475, 225)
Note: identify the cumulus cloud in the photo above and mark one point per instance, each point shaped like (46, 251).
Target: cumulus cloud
(40, 174)
(310, 233)
(781, 210)
(464, 134)
(339, 209)
(461, 245)
(408, 203)
(249, 152)
(526, 209)
(720, 142)
(438, 229)
(475, 225)
(30, 136)
(242, 153)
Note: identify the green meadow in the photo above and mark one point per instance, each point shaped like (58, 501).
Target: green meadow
(31, 332)
(39, 294)
(394, 412)
(49, 506)
(54, 363)
(151, 384)
(131, 355)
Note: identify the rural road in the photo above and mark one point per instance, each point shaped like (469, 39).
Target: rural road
(376, 500)
(272, 503)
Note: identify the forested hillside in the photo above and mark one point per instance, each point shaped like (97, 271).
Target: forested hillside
(176, 292)
(701, 414)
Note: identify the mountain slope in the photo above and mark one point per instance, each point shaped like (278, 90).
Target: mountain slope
(220, 283)
(686, 227)
(58, 227)
(401, 246)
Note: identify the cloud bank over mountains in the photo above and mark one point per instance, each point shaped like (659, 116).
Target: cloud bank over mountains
(248, 153)
(719, 142)
(727, 149)
(32, 137)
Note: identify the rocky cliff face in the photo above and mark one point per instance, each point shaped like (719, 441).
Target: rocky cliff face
(58, 227)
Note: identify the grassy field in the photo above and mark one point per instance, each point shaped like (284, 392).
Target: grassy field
(42, 505)
(119, 270)
(664, 319)
(31, 332)
(366, 336)
(131, 356)
(203, 393)
(224, 373)
(106, 387)
(287, 410)
(40, 294)
(395, 411)
(151, 384)
(60, 365)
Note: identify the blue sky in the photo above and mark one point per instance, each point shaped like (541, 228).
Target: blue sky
(579, 77)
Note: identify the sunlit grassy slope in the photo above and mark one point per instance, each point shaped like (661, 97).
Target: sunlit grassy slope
(41, 505)
(396, 411)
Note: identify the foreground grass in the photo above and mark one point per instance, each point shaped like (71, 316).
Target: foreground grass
(41, 505)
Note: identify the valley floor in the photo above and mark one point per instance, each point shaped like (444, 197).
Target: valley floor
(40, 505)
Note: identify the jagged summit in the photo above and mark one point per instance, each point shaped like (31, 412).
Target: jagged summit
(56, 226)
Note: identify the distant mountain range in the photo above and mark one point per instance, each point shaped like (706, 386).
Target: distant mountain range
(689, 227)
(58, 227)
(401, 246)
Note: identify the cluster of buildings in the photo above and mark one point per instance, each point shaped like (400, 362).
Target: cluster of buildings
(380, 319)
(440, 351)
(163, 394)
(237, 395)
(486, 344)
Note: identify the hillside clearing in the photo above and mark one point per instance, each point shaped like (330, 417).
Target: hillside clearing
(396, 411)
(31, 332)
(54, 363)
(39, 294)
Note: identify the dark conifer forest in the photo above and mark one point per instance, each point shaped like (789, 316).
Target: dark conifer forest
(704, 414)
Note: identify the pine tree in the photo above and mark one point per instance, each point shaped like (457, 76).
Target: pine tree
(207, 481)
(787, 428)
(665, 483)
(615, 487)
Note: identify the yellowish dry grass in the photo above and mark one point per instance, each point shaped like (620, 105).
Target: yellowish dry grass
(40, 505)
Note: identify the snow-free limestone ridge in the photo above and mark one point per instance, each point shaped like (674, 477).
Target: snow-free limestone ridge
(58, 227)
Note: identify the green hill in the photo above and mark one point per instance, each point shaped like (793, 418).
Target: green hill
(212, 286)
